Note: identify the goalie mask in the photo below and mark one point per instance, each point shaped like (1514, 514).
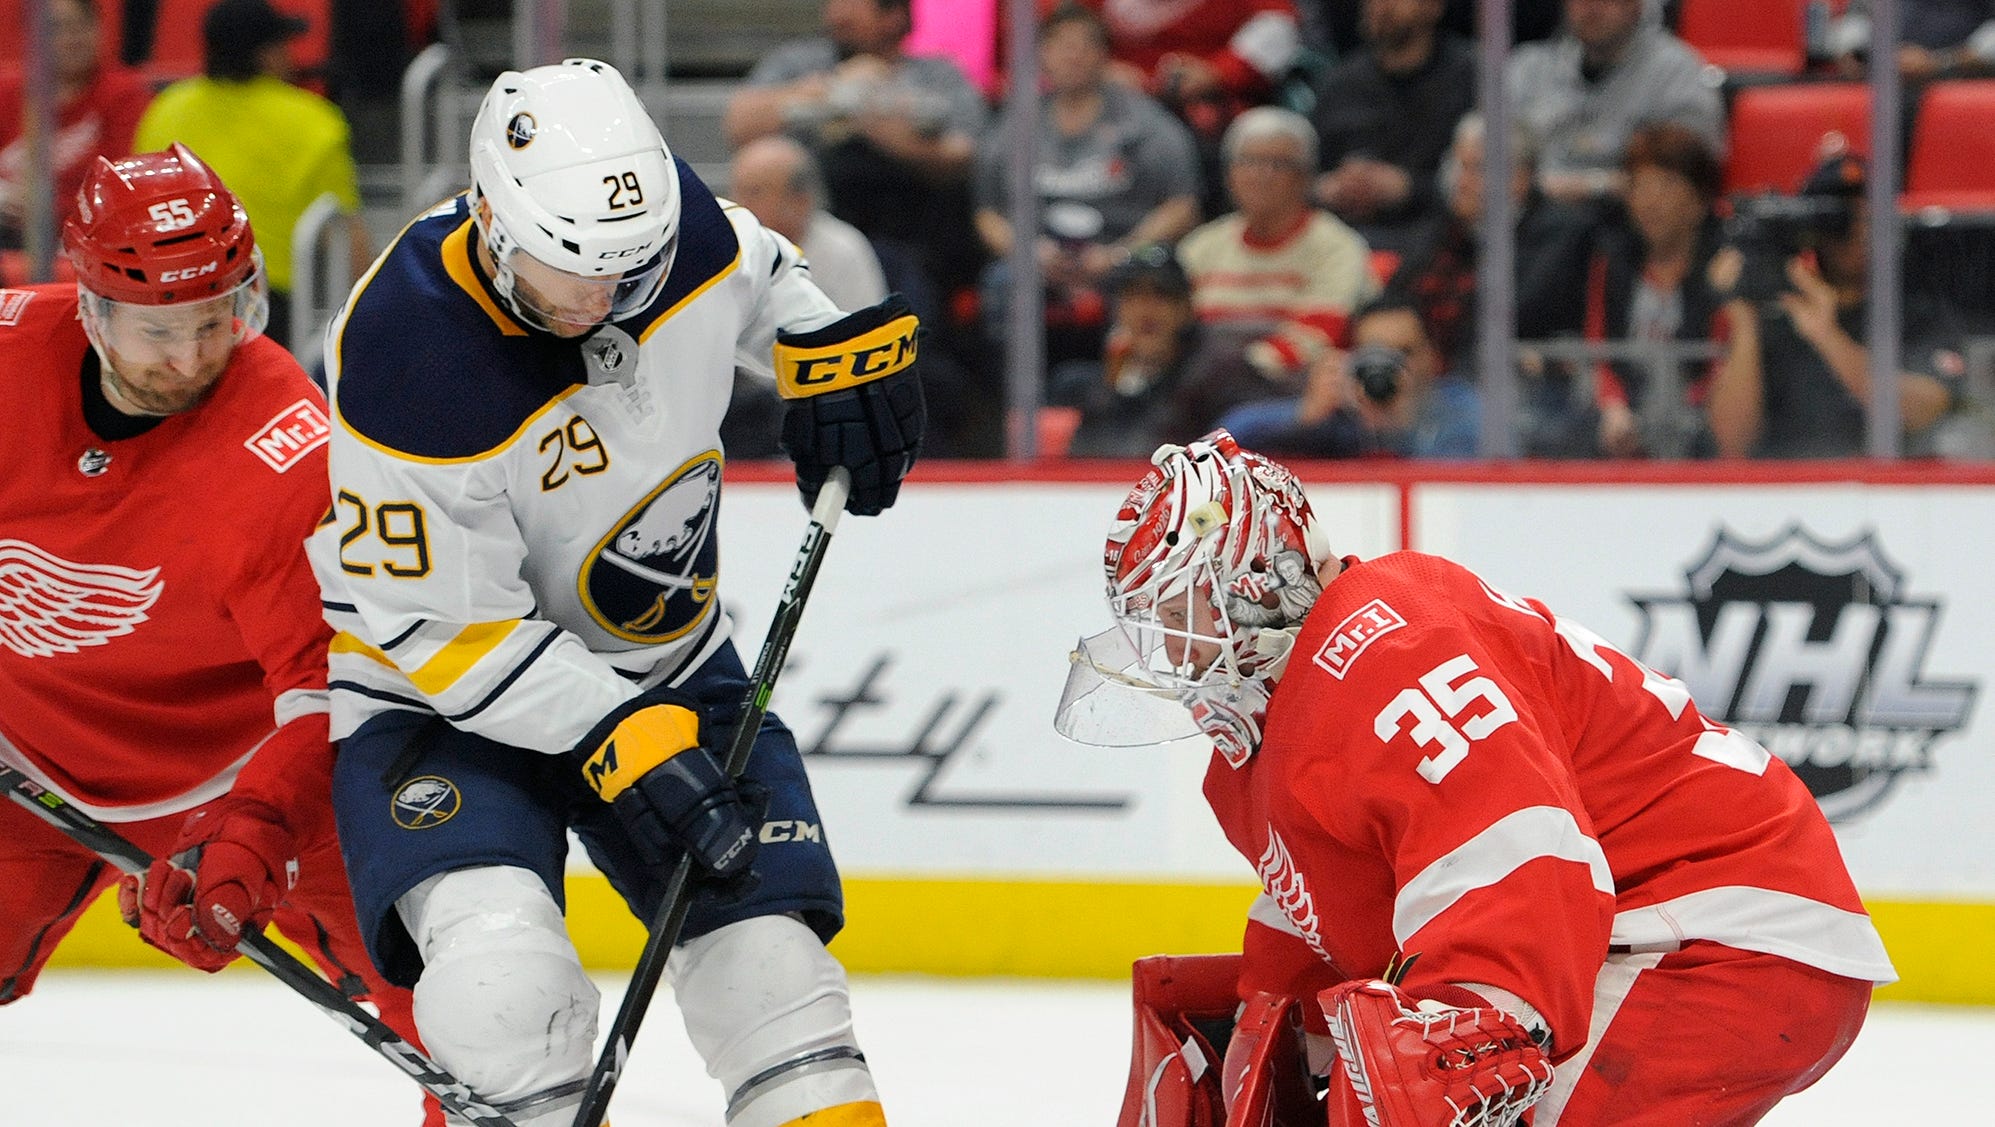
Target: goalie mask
(576, 196)
(1211, 567)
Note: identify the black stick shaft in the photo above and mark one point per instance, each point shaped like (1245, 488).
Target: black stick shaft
(120, 851)
(671, 917)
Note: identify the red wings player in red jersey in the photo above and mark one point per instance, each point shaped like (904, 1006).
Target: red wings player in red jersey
(162, 651)
(1489, 842)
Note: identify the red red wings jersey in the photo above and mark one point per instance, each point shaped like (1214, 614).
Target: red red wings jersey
(1456, 773)
(158, 619)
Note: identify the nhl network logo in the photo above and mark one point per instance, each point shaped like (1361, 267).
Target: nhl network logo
(1816, 650)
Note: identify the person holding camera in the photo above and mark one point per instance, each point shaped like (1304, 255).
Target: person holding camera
(1388, 395)
(1115, 172)
(1795, 382)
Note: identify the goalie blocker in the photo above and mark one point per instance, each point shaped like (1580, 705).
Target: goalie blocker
(854, 401)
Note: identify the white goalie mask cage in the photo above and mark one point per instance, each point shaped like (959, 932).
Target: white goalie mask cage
(1211, 565)
(568, 168)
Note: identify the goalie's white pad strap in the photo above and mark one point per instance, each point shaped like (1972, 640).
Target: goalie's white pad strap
(1526, 1014)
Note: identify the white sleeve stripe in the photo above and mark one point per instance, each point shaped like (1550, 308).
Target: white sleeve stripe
(293, 703)
(1513, 841)
(1268, 914)
(1766, 920)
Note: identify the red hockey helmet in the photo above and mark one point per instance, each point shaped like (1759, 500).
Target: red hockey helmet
(159, 229)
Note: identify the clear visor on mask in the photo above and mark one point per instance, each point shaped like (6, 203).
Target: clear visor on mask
(1109, 701)
(553, 299)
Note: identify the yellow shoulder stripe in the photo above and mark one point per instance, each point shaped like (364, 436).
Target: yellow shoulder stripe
(457, 262)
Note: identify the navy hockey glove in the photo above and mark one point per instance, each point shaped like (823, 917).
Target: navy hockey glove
(855, 401)
(646, 761)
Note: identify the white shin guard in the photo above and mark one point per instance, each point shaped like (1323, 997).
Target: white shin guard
(503, 1003)
(767, 1007)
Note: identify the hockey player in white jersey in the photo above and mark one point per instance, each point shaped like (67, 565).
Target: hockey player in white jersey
(521, 564)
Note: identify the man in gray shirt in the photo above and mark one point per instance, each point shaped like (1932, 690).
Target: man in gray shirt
(1583, 93)
(894, 133)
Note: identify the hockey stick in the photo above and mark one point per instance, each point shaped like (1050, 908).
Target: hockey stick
(671, 917)
(114, 847)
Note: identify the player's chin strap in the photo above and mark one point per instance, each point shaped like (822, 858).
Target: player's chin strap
(1231, 712)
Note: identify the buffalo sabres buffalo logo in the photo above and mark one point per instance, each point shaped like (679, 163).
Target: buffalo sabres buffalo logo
(520, 130)
(1815, 650)
(425, 801)
(652, 578)
(49, 605)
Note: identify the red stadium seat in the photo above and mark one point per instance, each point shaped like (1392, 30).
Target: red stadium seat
(1777, 132)
(1755, 37)
(1953, 148)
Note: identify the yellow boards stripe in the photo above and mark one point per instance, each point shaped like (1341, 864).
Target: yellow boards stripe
(1082, 929)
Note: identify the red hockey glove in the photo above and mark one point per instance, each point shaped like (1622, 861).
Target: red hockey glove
(232, 864)
(854, 401)
(1405, 1062)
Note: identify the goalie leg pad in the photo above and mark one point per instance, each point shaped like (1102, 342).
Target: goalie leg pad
(503, 1002)
(768, 1009)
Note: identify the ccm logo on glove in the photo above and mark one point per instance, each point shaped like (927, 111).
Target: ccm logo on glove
(805, 367)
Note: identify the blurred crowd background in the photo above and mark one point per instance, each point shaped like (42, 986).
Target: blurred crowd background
(1718, 228)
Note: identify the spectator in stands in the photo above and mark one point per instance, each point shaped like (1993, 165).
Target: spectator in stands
(278, 146)
(1795, 382)
(97, 104)
(1584, 93)
(895, 134)
(1386, 114)
(1162, 377)
(778, 180)
(1936, 39)
(1276, 268)
(1221, 54)
(1438, 277)
(1388, 395)
(1648, 279)
(1115, 172)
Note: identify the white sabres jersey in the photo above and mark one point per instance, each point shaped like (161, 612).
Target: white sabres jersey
(524, 529)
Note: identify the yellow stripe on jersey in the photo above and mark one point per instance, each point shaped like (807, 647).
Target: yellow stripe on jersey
(345, 643)
(862, 1113)
(804, 372)
(703, 287)
(459, 654)
(403, 455)
(457, 263)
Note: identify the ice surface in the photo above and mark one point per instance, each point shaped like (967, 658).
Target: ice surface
(131, 1049)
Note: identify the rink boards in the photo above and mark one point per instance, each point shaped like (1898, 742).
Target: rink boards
(1838, 614)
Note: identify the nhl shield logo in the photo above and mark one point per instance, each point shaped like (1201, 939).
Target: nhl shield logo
(652, 578)
(425, 801)
(1816, 650)
(520, 131)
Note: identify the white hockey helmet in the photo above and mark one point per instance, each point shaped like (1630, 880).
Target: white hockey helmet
(1211, 566)
(568, 169)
